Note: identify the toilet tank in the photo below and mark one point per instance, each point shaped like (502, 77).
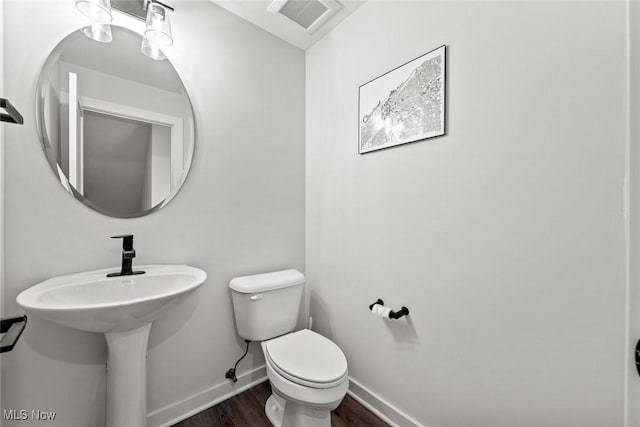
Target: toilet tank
(267, 305)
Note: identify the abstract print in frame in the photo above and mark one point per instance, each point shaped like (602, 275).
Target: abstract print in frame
(406, 104)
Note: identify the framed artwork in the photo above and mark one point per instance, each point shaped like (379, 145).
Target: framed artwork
(406, 104)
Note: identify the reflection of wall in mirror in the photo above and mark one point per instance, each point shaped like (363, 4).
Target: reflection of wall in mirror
(52, 117)
(55, 116)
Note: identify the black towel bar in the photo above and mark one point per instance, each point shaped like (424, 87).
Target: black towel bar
(12, 328)
(12, 115)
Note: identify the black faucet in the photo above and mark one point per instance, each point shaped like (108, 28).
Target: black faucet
(128, 254)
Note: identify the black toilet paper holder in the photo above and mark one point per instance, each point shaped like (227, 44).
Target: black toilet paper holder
(404, 311)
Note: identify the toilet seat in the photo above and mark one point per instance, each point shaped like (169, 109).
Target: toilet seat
(307, 358)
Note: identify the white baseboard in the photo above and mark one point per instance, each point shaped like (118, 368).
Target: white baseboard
(383, 409)
(183, 409)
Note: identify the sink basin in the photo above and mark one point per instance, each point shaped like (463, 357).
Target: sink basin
(122, 308)
(92, 302)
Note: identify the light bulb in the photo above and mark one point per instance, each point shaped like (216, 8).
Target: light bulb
(151, 50)
(98, 32)
(158, 29)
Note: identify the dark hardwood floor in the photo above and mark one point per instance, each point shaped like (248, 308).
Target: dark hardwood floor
(247, 410)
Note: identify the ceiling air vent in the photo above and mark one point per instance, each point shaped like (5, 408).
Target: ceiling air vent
(309, 14)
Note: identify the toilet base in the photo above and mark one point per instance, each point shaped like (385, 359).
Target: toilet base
(283, 413)
(274, 409)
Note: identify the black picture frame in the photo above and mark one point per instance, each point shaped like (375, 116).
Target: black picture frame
(404, 105)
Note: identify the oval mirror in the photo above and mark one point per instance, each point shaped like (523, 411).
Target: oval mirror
(116, 126)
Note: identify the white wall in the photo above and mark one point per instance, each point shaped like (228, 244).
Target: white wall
(505, 238)
(236, 214)
(2, 94)
(2, 157)
(633, 322)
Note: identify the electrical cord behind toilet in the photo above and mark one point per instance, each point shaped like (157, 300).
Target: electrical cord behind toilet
(231, 373)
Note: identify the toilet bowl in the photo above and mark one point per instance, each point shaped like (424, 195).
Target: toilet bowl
(308, 372)
(309, 379)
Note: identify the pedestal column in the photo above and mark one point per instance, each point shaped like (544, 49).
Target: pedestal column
(127, 377)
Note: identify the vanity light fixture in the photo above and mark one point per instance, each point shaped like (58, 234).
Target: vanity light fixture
(96, 10)
(99, 12)
(158, 29)
(157, 32)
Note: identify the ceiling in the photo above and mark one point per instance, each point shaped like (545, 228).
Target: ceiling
(255, 11)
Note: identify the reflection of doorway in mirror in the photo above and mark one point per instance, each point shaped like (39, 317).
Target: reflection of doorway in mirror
(127, 162)
(158, 170)
(146, 173)
(175, 125)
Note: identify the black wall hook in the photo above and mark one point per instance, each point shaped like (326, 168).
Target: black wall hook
(404, 311)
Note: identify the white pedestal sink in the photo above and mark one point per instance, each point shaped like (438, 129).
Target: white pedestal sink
(122, 308)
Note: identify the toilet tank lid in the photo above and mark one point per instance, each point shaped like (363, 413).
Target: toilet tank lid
(267, 281)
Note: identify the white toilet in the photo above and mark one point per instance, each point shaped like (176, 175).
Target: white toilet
(308, 372)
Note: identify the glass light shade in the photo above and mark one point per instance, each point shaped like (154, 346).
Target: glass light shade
(98, 32)
(96, 10)
(158, 29)
(151, 50)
